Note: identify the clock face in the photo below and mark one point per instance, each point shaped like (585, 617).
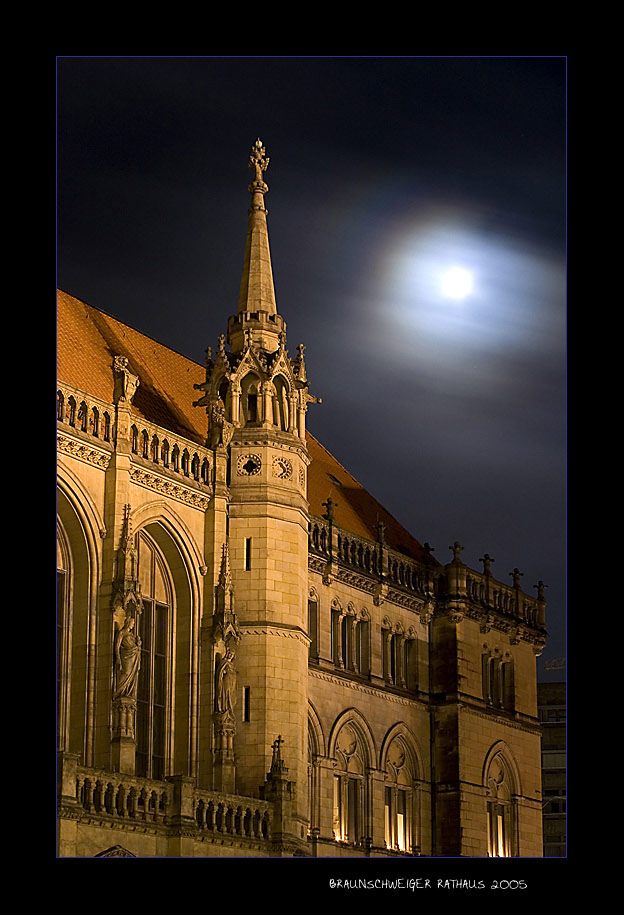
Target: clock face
(282, 468)
(249, 465)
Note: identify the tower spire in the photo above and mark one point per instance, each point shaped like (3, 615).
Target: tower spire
(257, 292)
(257, 320)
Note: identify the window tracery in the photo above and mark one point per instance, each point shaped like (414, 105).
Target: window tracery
(349, 821)
(500, 808)
(399, 798)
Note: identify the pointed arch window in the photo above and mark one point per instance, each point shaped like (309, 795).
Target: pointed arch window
(501, 813)
(400, 799)
(153, 688)
(350, 787)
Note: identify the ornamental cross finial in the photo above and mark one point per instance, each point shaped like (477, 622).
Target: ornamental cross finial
(516, 575)
(456, 548)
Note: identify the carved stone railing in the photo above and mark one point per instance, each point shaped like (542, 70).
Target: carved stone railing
(372, 559)
(232, 815)
(509, 601)
(152, 446)
(174, 453)
(131, 798)
(123, 797)
(84, 413)
(409, 580)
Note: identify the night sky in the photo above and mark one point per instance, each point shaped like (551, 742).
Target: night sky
(385, 173)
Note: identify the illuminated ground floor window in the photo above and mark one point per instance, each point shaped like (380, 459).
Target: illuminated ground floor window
(348, 808)
(398, 819)
(499, 830)
(500, 807)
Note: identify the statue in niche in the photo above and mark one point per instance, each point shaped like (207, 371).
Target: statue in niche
(127, 660)
(225, 683)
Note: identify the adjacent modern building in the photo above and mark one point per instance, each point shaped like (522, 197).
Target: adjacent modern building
(248, 666)
(552, 714)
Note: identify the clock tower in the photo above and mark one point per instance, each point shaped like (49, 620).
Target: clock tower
(256, 397)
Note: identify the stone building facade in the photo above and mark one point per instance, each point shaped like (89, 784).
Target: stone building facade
(246, 665)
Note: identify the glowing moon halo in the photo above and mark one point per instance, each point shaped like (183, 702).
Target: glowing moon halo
(457, 283)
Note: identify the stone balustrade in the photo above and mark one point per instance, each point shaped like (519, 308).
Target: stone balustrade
(236, 816)
(511, 601)
(372, 559)
(408, 575)
(131, 798)
(123, 796)
(96, 419)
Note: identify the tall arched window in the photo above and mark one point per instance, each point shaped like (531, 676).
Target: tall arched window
(400, 800)
(500, 808)
(153, 689)
(350, 788)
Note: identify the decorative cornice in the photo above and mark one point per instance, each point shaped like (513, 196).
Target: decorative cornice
(83, 452)
(369, 690)
(275, 631)
(169, 488)
(404, 600)
(532, 725)
(296, 445)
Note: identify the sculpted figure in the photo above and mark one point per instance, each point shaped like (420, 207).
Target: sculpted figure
(127, 660)
(226, 684)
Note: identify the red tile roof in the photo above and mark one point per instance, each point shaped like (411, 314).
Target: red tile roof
(88, 340)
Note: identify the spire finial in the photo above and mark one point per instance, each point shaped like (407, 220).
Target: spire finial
(259, 161)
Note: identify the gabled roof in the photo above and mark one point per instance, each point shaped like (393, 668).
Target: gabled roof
(87, 342)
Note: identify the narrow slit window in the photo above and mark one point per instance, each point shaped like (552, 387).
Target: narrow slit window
(246, 703)
(247, 559)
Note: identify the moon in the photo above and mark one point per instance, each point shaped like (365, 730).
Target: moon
(457, 283)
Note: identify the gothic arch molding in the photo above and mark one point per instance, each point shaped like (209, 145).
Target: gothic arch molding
(355, 719)
(316, 737)
(83, 528)
(160, 513)
(500, 748)
(401, 730)
(92, 522)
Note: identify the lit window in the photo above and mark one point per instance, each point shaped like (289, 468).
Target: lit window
(500, 808)
(349, 788)
(400, 825)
